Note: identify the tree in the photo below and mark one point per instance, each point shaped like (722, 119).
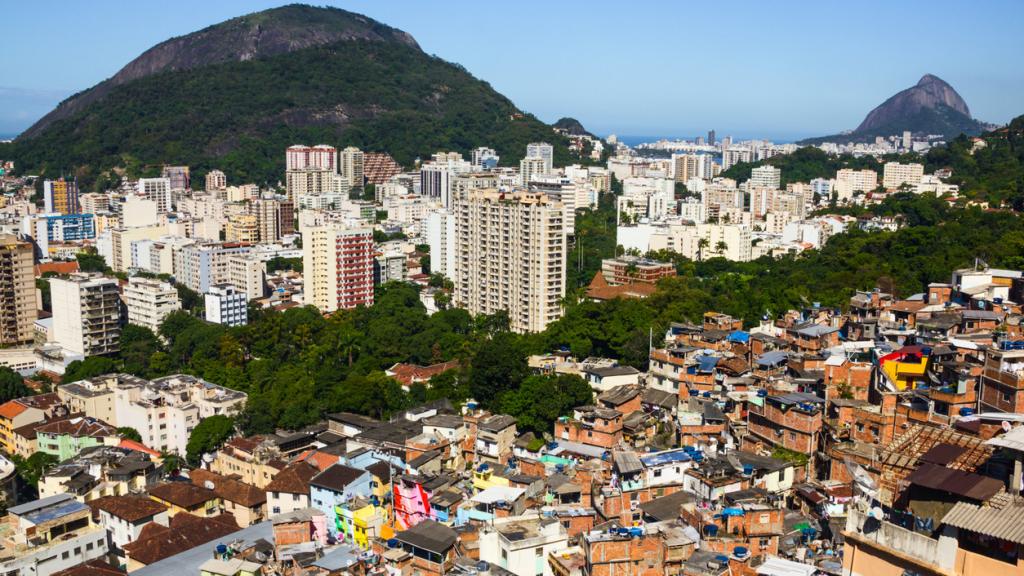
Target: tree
(12, 385)
(541, 400)
(721, 247)
(138, 347)
(89, 368)
(129, 433)
(702, 244)
(31, 469)
(498, 366)
(209, 435)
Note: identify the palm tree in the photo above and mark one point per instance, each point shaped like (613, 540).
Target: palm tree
(348, 343)
(721, 247)
(701, 245)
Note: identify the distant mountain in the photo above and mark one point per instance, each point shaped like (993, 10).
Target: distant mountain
(931, 106)
(235, 94)
(571, 126)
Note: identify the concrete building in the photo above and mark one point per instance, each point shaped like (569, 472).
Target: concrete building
(315, 188)
(849, 181)
(17, 291)
(48, 535)
(765, 177)
(199, 266)
(248, 273)
(178, 176)
(275, 218)
(158, 190)
(58, 228)
(350, 165)
(321, 156)
(545, 152)
(510, 255)
(61, 196)
(521, 544)
(441, 238)
(242, 228)
(895, 175)
(149, 301)
(216, 180)
(226, 305)
(337, 262)
(529, 168)
(164, 411)
(86, 314)
(484, 158)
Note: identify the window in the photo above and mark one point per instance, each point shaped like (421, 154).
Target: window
(296, 497)
(64, 555)
(276, 510)
(78, 550)
(88, 546)
(538, 552)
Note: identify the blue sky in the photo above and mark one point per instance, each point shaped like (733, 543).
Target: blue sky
(768, 69)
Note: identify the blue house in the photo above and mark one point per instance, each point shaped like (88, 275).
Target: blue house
(336, 486)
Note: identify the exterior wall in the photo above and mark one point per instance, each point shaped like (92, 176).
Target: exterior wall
(122, 532)
(284, 503)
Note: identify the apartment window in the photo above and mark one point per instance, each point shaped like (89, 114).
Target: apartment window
(276, 510)
(64, 555)
(88, 546)
(538, 552)
(296, 497)
(78, 550)
(1006, 396)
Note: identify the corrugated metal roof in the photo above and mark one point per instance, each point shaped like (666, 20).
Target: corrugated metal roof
(1003, 524)
(965, 484)
(1014, 439)
(627, 462)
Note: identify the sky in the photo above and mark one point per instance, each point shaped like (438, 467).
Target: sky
(780, 70)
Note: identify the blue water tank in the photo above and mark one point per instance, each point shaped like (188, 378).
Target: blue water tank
(740, 552)
(965, 411)
(748, 469)
(721, 558)
(711, 530)
(636, 532)
(762, 393)
(221, 548)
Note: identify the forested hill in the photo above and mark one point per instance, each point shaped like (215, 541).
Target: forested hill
(370, 87)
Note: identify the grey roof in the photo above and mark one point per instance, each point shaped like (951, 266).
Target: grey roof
(798, 397)
(666, 507)
(660, 398)
(627, 462)
(619, 395)
(497, 423)
(774, 357)
(39, 504)
(815, 330)
(1001, 523)
(612, 371)
(429, 535)
(338, 559)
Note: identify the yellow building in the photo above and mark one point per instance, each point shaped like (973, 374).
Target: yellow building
(362, 523)
(904, 368)
(484, 478)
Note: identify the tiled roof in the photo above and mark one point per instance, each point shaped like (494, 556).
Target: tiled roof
(411, 373)
(185, 532)
(78, 428)
(91, 568)
(128, 508)
(182, 494)
(294, 478)
(230, 489)
(11, 409)
(600, 289)
(337, 477)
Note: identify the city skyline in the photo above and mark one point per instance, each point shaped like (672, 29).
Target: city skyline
(671, 89)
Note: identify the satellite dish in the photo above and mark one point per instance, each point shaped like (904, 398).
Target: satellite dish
(209, 485)
(877, 513)
(1006, 426)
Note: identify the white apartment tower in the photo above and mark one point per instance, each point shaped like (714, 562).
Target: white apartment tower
(510, 252)
(337, 263)
(544, 151)
(158, 190)
(321, 157)
(216, 180)
(149, 301)
(766, 176)
(226, 305)
(529, 168)
(896, 175)
(86, 314)
(350, 164)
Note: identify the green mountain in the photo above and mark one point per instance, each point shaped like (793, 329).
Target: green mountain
(235, 95)
(931, 106)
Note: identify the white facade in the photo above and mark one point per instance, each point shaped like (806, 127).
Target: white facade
(766, 177)
(226, 305)
(544, 151)
(895, 175)
(441, 239)
(149, 301)
(86, 314)
(159, 191)
(524, 550)
(122, 531)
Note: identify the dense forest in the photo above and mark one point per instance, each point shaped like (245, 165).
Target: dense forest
(297, 365)
(240, 116)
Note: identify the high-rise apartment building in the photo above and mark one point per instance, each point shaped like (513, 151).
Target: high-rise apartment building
(247, 273)
(17, 291)
(149, 301)
(711, 137)
(895, 175)
(94, 203)
(86, 314)
(316, 188)
(484, 158)
(529, 168)
(178, 176)
(544, 151)
(441, 238)
(61, 196)
(849, 181)
(350, 164)
(510, 254)
(199, 266)
(275, 217)
(225, 304)
(687, 166)
(765, 177)
(216, 180)
(337, 264)
(907, 141)
(159, 191)
(242, 228)
(321, 157)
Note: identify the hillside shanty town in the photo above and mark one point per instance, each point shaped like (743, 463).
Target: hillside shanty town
(883, 440)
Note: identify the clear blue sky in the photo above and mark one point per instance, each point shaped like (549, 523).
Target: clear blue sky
(772, 69)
